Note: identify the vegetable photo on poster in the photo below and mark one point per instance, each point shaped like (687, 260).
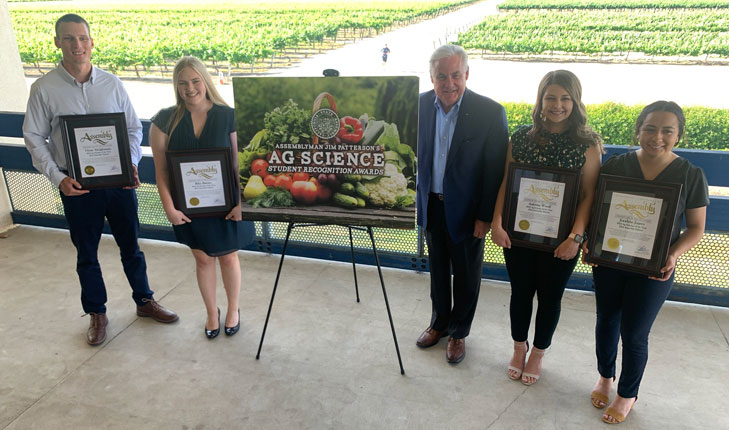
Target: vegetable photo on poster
(328, 150)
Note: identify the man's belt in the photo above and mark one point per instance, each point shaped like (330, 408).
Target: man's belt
(436, 196)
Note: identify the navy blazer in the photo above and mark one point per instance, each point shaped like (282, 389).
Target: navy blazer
(474, 165)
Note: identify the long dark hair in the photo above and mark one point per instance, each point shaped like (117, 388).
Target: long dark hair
(579, 131)
(660, 106)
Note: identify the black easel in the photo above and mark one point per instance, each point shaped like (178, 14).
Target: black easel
(291, 226)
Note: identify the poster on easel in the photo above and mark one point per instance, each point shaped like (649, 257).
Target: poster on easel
(334, 150)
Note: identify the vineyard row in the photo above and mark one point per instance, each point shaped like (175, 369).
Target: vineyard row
(612, 4)
(149, 37)
(688, 32)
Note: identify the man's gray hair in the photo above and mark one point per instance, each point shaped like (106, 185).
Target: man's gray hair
(446, 51)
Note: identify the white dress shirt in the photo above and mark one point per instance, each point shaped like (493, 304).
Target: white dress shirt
(58, 93)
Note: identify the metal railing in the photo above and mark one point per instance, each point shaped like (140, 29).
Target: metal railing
(702, 275)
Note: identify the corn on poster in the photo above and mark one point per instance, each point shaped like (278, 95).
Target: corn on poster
(328, 150)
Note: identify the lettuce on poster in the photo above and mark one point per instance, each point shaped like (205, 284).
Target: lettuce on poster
(343, 148)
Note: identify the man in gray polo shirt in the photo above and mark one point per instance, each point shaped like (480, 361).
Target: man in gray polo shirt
(75, 87)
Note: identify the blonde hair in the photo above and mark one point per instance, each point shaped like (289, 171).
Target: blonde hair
(211, 93)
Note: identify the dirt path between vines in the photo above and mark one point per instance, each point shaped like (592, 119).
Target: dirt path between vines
(501, 80)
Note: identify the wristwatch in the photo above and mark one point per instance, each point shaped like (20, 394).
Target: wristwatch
(577, 237)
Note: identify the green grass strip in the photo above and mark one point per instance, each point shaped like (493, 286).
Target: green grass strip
(614, 4)
(658, 32)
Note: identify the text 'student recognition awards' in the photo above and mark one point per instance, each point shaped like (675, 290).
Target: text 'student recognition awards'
(97, 150)
(328, 150)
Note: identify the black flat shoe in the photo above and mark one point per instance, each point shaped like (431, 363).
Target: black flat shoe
(212, 334)
(230, 331)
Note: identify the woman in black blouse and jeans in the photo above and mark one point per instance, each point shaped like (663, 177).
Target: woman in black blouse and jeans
(628, 303)
(559, 137)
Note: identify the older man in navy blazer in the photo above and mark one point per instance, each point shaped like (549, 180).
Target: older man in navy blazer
(462, 142)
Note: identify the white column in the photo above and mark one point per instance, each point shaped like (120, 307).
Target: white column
(12, 85)
(14, 94)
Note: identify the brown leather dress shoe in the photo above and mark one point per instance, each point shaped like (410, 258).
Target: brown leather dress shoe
(430, 337)
(156, 311)
(456, 350)
(97, 329)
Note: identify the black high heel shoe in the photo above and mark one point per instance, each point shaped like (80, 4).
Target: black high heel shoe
(230, 331)
(212, 334)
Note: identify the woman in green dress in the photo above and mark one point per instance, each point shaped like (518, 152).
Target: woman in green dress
(201, 119)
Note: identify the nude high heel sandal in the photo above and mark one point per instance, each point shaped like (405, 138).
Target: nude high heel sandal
(518, 371)
(535, 376)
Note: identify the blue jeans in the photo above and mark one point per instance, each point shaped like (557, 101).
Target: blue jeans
(85, 215)
(627, 304)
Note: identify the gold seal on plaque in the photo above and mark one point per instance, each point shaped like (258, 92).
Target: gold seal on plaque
(524, 224)
(613, 243)
(194, 201)
(89, 170)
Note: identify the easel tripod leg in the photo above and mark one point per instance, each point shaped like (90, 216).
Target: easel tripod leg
(387, 303)
(275, 285)
(354, 267)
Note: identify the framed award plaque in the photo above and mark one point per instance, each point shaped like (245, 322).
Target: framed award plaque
(631, 224)
(97, 150)
(539, 205)
(201, 181)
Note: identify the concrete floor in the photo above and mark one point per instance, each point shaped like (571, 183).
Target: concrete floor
(328, 362)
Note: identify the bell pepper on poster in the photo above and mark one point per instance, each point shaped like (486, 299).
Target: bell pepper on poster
(342, 160)
(350, 130)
